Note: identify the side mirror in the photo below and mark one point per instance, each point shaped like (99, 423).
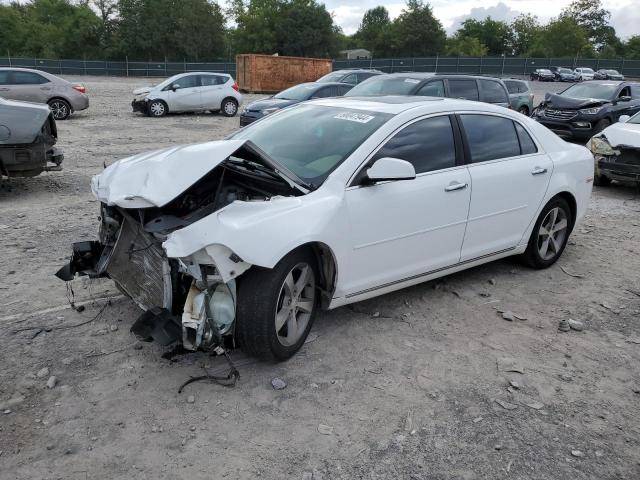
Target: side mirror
(623, 118)
(624, 98)
(390, 169)
(175, 86)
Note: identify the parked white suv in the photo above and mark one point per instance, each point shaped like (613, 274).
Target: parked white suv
(189, 92)
(584, 73)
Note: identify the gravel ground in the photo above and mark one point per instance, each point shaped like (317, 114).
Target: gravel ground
(411, 385)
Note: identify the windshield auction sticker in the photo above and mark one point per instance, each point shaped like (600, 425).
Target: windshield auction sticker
(355, 117)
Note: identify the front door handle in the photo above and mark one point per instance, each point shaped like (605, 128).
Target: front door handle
(455, 186)
(538, 171)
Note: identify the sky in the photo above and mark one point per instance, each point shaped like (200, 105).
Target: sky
(625, 16)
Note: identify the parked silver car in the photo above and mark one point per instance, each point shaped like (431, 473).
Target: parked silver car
(29, 85)
(189, 92)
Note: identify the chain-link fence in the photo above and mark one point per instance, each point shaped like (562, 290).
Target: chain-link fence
(470, 65)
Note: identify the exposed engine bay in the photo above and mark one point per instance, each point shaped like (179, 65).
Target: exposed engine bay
(184, 300)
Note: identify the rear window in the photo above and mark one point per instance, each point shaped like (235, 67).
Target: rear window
(466, 89)
(384, 86)
(490, 137)
(493, 92)
(208, 80)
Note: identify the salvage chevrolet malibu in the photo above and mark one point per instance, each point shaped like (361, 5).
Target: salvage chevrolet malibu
(326, 203)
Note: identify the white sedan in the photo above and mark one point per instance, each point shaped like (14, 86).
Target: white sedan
(327, 203)
(189, 92)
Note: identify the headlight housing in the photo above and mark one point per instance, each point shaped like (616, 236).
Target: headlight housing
(267, 111)
(590, 111)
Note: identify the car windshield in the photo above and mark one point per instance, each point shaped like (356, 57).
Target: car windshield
(299, 92)
(611, 72)
(587, 70)
(384, 86)
(635, 119)
(312, 140)
(564, 70)
(544, 70)
(331, 77)
(601, 91)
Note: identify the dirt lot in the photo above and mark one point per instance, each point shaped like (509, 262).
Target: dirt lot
(399, 387)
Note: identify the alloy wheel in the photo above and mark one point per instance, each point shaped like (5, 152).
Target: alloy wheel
(552, 233)
(157, 109)
(59, 109)
(295, 304)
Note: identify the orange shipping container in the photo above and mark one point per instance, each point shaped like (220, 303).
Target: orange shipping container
(268, 74)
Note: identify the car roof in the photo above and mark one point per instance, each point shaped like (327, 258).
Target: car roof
(356, 70)
(426, 75)
(395, 104)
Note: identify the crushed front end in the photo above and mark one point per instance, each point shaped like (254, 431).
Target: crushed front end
(618, 162)
(190, 299)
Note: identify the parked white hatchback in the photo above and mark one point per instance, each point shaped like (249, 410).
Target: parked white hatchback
(327, 203)
(189, 92)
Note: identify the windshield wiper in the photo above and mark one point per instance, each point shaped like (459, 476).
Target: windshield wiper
(254, 166)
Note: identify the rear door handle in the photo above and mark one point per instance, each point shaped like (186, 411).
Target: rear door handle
(538, 171)
(455, 186)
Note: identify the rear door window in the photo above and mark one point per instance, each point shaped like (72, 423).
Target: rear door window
(427, 144)
(27, 78)
(434, 88)
(466, 89)
(512, 87)
(209, 80)
(490, 137)
(493, 92)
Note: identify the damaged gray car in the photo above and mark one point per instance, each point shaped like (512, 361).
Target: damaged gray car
(28, 134)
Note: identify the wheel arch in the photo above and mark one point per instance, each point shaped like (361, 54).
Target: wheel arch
(230, 97)
(571, 200)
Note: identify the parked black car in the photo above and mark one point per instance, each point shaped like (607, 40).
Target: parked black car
(27, 137)
(584, 109)
(468, 87)
(563, 74)
(606, 74)
(291, 96)
(542, 75)
(352, 76)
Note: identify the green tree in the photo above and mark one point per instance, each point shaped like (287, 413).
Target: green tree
(525, 29)
(592, 17)
(562, 37)
(632, 48)
(495, 35)
(416, 32)
(465, 46)
(12, 31)
(373, 31)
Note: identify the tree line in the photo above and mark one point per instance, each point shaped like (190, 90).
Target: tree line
(201, 30)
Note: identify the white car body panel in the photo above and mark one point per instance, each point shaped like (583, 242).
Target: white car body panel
(382, 237)
(623, 133)
(153, 179)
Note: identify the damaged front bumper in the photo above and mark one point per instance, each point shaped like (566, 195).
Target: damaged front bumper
(621, 163)
(183, 300)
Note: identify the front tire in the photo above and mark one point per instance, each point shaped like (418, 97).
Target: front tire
(524, 110)
(229, 107)
(157, 108)
(601, 181)
(276, 307)
(60, 108)
(550, 234)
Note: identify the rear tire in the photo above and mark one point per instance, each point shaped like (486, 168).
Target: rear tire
(276, 307)
(550, 234)
(157, 108)
(60, 108)
(229, 107)
(524, 110)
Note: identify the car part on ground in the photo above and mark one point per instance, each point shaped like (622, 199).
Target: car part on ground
(542, 75)
(189, 92)
(468, 87)
(291, 96)
(563, 74)
(351, 76)
(31, 85)
(520, 95)
(201, 237)
(607, 74)
(27, 137)
(584, 109)
(616, 152)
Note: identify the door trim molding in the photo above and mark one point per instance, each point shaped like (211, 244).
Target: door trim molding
(430, 272)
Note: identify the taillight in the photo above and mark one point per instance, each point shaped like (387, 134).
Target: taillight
(79, 88)
(236, 87)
